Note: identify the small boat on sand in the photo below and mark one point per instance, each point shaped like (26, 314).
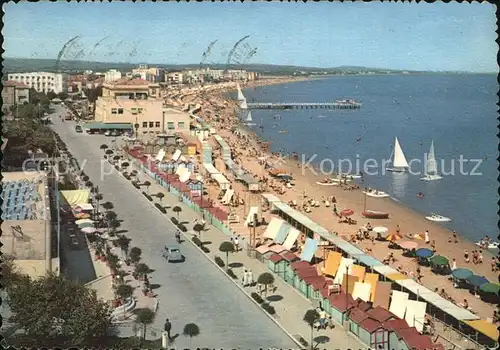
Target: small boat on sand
(488, 245)
(324, 183)
(437, 218)
(376, 194)
(374, 214)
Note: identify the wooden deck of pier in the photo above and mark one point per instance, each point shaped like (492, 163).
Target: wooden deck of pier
(296, 105)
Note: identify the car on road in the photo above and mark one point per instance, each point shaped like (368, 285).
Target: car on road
(172, 254)
(78, 128)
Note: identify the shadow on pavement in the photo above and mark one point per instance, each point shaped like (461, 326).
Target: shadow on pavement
(274, 298)
(235, 265)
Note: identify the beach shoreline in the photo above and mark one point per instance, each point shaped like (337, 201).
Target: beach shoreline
(409, 220)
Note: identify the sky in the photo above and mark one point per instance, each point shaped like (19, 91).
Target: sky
(437, 37)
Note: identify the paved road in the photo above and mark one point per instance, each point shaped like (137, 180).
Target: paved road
(194, 291)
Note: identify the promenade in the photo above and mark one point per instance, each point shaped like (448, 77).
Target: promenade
(191, 292)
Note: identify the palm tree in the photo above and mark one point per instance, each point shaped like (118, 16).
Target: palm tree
(160, 196)
(147, 184)
(177, 210)
(191, 330)
(144, 317)
(108, 206)
(198, 228)
(226, 247)
(266, 279)
(311, 317)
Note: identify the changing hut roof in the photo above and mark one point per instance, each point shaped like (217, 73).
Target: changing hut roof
(341, 302)
(289, 256)
(276, 258)
(380, 314)
(370, 325)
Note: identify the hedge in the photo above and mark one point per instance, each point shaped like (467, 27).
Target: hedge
(231, 274)
(182, 227)
(174, 220)
(219, 261)
(147, 196)
(136, 186)
(257, 297)
(126, 176)
(196, 241)
(205, 249)
(270, 309)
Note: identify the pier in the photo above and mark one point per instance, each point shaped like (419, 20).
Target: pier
(296, 105)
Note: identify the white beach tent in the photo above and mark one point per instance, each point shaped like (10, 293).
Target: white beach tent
(224, 183)
(273, 228)
(176, 155)
(227, 196)
(415, 314)
(344, 267)
(160, 155)
(399, 300)
(251, 212)
(184, 176)
(290, 240)
(362, 290)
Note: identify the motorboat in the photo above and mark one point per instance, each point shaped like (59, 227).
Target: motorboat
(488, 245)
(325, 183)
(376, 194)
(431, 171)
(375, 214)
(399, 163)
(437, 218)
(283, 131)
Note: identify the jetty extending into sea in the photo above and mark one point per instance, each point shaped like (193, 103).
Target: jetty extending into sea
(302, 105)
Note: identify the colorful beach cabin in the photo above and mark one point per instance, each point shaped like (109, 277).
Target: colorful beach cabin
(168, 166)
(368, 330)
(411, 339)
(338, 306)
(291, 270)
(195, 186)
(392, 326)
(302, 279)
(277, 264)
(316, 288)
(186, 164)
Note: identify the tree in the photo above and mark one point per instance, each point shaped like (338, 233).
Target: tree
(123, 242)
(177, 210)
(191, 330)
(62, 95)
(311, 317)
(147, 184)
(51, 95)
(108, 206)
(266, 279)
(125, 165)
(104, 147)
(226, 247)
(135, 255)
(198, 228)
(142, 269)
(144, 317)
(160, 196)
(52, 306)
(124, 291)
(109, 152)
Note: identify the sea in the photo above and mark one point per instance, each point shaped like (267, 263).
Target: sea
(456, 111)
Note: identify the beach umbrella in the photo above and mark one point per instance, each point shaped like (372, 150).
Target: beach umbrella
(408, 245)
(83, 221)
(424, 253)
(461, 274)
(347, 212)
(393, 237)
(477, 281)
(88, 230)
(380, 229)
(440, 260)
(490, 288)
(419, 236)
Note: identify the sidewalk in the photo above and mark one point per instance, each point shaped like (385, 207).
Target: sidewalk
(289, 310)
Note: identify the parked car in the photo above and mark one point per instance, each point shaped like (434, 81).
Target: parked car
(107, 133)
(172, 254)
(78, 128)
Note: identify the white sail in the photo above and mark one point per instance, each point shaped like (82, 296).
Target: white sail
(249, 119)
(240, 93)
(399, 160)
(431, 161)
(243, 104)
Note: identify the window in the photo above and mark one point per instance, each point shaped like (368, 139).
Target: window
(157, 124)
(170, 126)
(153, 91)
(120, 110)
(144, 124)
(113, 110)
(151, 124)
(134, 111)
(180, 125)
(139, 110)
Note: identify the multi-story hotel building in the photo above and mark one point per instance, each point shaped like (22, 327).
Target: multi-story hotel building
(136, 101)
(42, 81)
(112, 75)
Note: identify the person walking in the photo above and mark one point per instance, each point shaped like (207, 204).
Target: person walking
(236, 244)
(168, 328)
(250, 280)
(426, 236)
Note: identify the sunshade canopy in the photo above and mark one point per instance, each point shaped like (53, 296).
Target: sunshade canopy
(461, 274)
(439, 260)
(347, 212)
(408, 244)
(380, 229)
(424, 253)
(490, 288)
(477, 281)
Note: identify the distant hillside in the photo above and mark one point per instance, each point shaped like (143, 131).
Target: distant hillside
(50, 65)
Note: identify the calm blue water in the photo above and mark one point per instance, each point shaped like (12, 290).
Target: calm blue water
(457, 111)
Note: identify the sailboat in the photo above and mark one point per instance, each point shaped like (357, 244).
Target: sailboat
(431, 171)
(241, 97)
(399, 163)
(243, 104)
(249, 120)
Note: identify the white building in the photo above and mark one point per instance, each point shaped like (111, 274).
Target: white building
(42, 81)
(112, 75)
(176, 78)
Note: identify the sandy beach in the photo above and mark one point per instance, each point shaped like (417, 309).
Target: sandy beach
(250, 152)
